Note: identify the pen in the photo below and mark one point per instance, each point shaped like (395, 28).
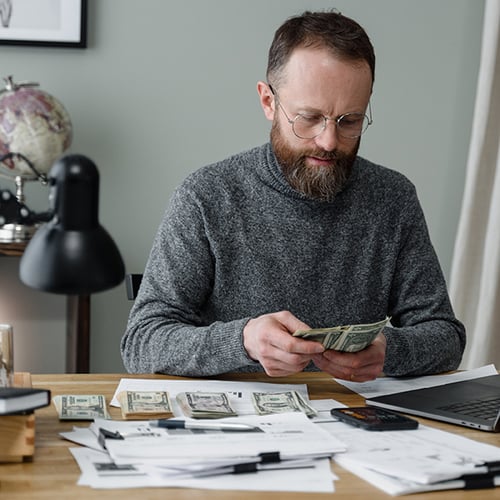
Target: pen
(249, 467)
(266, 461)
(209, 426)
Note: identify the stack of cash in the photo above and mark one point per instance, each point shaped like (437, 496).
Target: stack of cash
(266, 403)
(140, 405)
(81, 407)
(205, 404)
(348, 338)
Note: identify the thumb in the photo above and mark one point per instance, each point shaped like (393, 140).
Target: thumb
(291, 322)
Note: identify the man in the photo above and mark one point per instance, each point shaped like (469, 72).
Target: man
(299, 233)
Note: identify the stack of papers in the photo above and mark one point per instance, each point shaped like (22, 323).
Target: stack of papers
(425, 459)
(282, 452)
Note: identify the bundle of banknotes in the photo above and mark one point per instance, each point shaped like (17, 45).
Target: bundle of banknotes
(217, 405)
(205, 404)
(142, 405)
(348, 338)
(81, 406)
(266, 403)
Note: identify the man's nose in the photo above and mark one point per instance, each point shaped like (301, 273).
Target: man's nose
(329, 137)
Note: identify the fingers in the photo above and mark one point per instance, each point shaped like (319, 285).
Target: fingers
(361, 366)
(361, 373)
(289, 321)
(268, 339)
(287, 365)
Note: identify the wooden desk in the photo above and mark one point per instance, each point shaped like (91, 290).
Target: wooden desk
(54, 473)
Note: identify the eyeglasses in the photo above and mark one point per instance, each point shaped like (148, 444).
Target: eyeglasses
(310, 125)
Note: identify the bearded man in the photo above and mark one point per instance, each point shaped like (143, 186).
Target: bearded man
(298, 233)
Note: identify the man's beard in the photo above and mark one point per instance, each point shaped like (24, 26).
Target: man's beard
(318, 182)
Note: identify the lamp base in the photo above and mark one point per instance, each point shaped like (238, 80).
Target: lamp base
(12, 233)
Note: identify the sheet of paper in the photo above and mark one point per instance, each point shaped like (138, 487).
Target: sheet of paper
(290, 434)
(396, 486)
(98, 471)
(87, 436)
(83, 436)
(239, 393)
(383, 458)
(393, 485)
(390, 385)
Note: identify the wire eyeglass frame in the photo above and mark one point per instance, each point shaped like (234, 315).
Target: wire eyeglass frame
(367, 120)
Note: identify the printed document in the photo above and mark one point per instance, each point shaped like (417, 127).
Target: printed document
(401, 462)
(390, 385)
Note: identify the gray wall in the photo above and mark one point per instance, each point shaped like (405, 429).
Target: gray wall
(165, 87)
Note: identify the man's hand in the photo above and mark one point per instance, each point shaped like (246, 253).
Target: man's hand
(360, 366)
(268, 339)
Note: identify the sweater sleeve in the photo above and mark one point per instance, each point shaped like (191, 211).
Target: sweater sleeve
(425, 336)
(164, 333)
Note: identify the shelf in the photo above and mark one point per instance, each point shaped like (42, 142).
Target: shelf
(14, 249)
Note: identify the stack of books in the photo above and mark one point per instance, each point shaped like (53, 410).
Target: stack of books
(17, 418)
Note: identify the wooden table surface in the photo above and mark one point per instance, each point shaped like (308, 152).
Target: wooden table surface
(53, 473)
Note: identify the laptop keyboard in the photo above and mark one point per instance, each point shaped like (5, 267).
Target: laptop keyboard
(483, 408)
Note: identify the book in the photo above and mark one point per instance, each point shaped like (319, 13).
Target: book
(22, 399)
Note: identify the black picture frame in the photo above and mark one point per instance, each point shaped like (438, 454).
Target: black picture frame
(63, 23)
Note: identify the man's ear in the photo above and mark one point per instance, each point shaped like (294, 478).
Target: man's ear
(266, 98)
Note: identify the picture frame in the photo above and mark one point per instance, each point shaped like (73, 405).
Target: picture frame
(44, 23)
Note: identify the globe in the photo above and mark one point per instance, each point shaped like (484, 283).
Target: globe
(35, 130)
(33, 124)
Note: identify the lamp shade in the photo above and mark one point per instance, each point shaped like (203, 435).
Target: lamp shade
(72, 254)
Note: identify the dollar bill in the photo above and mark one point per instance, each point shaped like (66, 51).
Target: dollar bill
(348, 338)
(140, 405)
(81, 407)
(205, 404)
(266, 403)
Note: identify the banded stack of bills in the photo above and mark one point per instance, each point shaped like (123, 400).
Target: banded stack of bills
(266, 403)
(205, 404)
(348, 338)
(142, 405)
(81, 406)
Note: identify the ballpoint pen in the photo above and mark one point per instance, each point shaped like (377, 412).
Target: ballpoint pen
(266, 461)
(249, 467)
(209, 426)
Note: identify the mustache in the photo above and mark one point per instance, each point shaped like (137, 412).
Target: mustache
(324, 155)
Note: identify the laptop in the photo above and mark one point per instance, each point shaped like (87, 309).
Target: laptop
(471, 403)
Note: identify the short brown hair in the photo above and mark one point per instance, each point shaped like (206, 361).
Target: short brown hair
(343, 36)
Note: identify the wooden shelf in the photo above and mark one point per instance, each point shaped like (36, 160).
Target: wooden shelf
(14, 249)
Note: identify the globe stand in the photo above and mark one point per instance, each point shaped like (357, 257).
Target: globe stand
(19, 181)
(17, 222)
(16, 233)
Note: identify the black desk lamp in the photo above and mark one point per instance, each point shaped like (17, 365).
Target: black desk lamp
(72, 254)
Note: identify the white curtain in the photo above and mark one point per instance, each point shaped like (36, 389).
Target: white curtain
(475, 273)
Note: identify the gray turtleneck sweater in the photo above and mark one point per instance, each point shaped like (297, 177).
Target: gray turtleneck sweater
(237, 241)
